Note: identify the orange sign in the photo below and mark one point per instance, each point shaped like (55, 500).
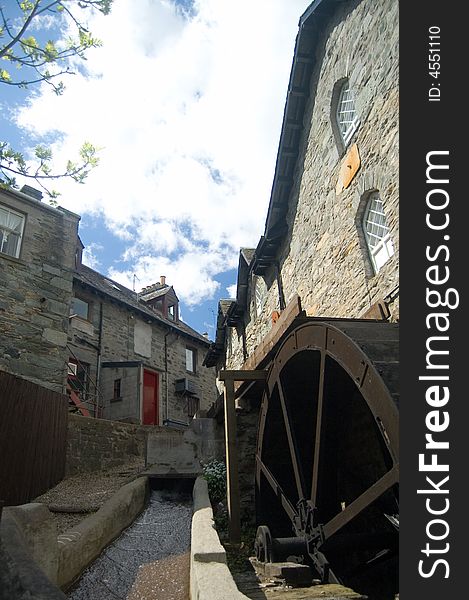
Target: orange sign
(348, 170)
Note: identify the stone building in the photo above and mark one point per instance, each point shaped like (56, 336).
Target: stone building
(37, 261)
(308, 349)
(131, 357)
(331, 233)
(119, 355)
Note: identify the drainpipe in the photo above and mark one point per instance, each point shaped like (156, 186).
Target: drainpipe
(169, 332)
(98, 360)
(243, 338)
(166, 373)
(281, 297)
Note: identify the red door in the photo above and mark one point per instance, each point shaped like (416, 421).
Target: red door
(150, 398)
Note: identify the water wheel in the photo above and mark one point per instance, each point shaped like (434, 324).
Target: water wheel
(327, 452)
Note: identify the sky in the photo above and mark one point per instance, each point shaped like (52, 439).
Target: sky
(185, 101)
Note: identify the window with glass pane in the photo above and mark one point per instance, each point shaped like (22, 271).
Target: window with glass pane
(172, 312)
(80, 308)
(377, 234)
(190, 360)
(347, 117)
(11, 231)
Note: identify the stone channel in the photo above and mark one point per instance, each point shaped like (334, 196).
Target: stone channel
(150, 559)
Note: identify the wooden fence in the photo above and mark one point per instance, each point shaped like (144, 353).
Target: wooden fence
(33, 437)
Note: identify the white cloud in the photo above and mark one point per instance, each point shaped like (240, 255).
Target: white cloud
(187, 111)
(231, 289)
(191, 273)
(89, 257)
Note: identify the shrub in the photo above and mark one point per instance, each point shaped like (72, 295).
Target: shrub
(214, 472)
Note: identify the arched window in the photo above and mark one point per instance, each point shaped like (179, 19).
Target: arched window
(346, 114)
(376, 231)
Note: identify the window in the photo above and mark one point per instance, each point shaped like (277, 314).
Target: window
(260, 294)
(191, 360)
(192, 406)
(376, 230)
(346, 114)
(117, 390)
(11, 231)
(80, 308)
(172, 312)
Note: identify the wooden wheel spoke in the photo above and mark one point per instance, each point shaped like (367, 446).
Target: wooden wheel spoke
(363, 501)
(317, 442)
(277, 488)
(292, 442)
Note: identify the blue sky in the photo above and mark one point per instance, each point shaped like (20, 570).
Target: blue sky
(186, 106)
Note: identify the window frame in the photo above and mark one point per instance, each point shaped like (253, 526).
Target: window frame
(382, 232)
(117, 390)
(343, 136)
(193, 351)
(77, 314)
(3, 230)
(193, 406)
(172, 315)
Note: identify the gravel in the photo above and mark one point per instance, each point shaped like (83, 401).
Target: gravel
(150, 560)
(86, 492)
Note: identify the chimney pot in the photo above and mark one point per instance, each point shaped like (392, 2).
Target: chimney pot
(163, 279)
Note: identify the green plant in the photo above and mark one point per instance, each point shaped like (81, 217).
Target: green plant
(214, 472)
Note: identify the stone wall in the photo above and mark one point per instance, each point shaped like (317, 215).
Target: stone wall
(127, 406)
(97, 444)
(247, 421)
(35, 293)
(323, 257)
(202, 379)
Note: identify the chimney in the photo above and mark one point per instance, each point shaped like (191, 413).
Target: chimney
(163, 279)
(33, 192)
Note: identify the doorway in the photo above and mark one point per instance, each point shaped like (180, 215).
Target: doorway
(150, 398)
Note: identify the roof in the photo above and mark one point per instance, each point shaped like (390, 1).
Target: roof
(158, 293)
(311, 25)
(244, 265)
(119, 293)
(24, 197)
(217, 347)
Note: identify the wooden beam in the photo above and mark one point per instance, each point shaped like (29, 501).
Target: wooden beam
(242, 375)
(287, 316)
(232, 477)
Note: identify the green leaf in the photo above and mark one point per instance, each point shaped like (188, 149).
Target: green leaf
(43, 153)
(51, 51)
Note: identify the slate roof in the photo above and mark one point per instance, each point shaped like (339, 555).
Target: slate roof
(217, 347)
(155, 293)
(123, 295)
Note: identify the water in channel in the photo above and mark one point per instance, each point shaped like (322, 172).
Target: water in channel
(150, 559)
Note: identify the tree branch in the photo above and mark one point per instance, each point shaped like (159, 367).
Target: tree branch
(17, 37)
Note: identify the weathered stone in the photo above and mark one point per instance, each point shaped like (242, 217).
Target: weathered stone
(292, 573)
(50, 269)
(323, 256)
(55, 337)
(31, 305)
(61, 283)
